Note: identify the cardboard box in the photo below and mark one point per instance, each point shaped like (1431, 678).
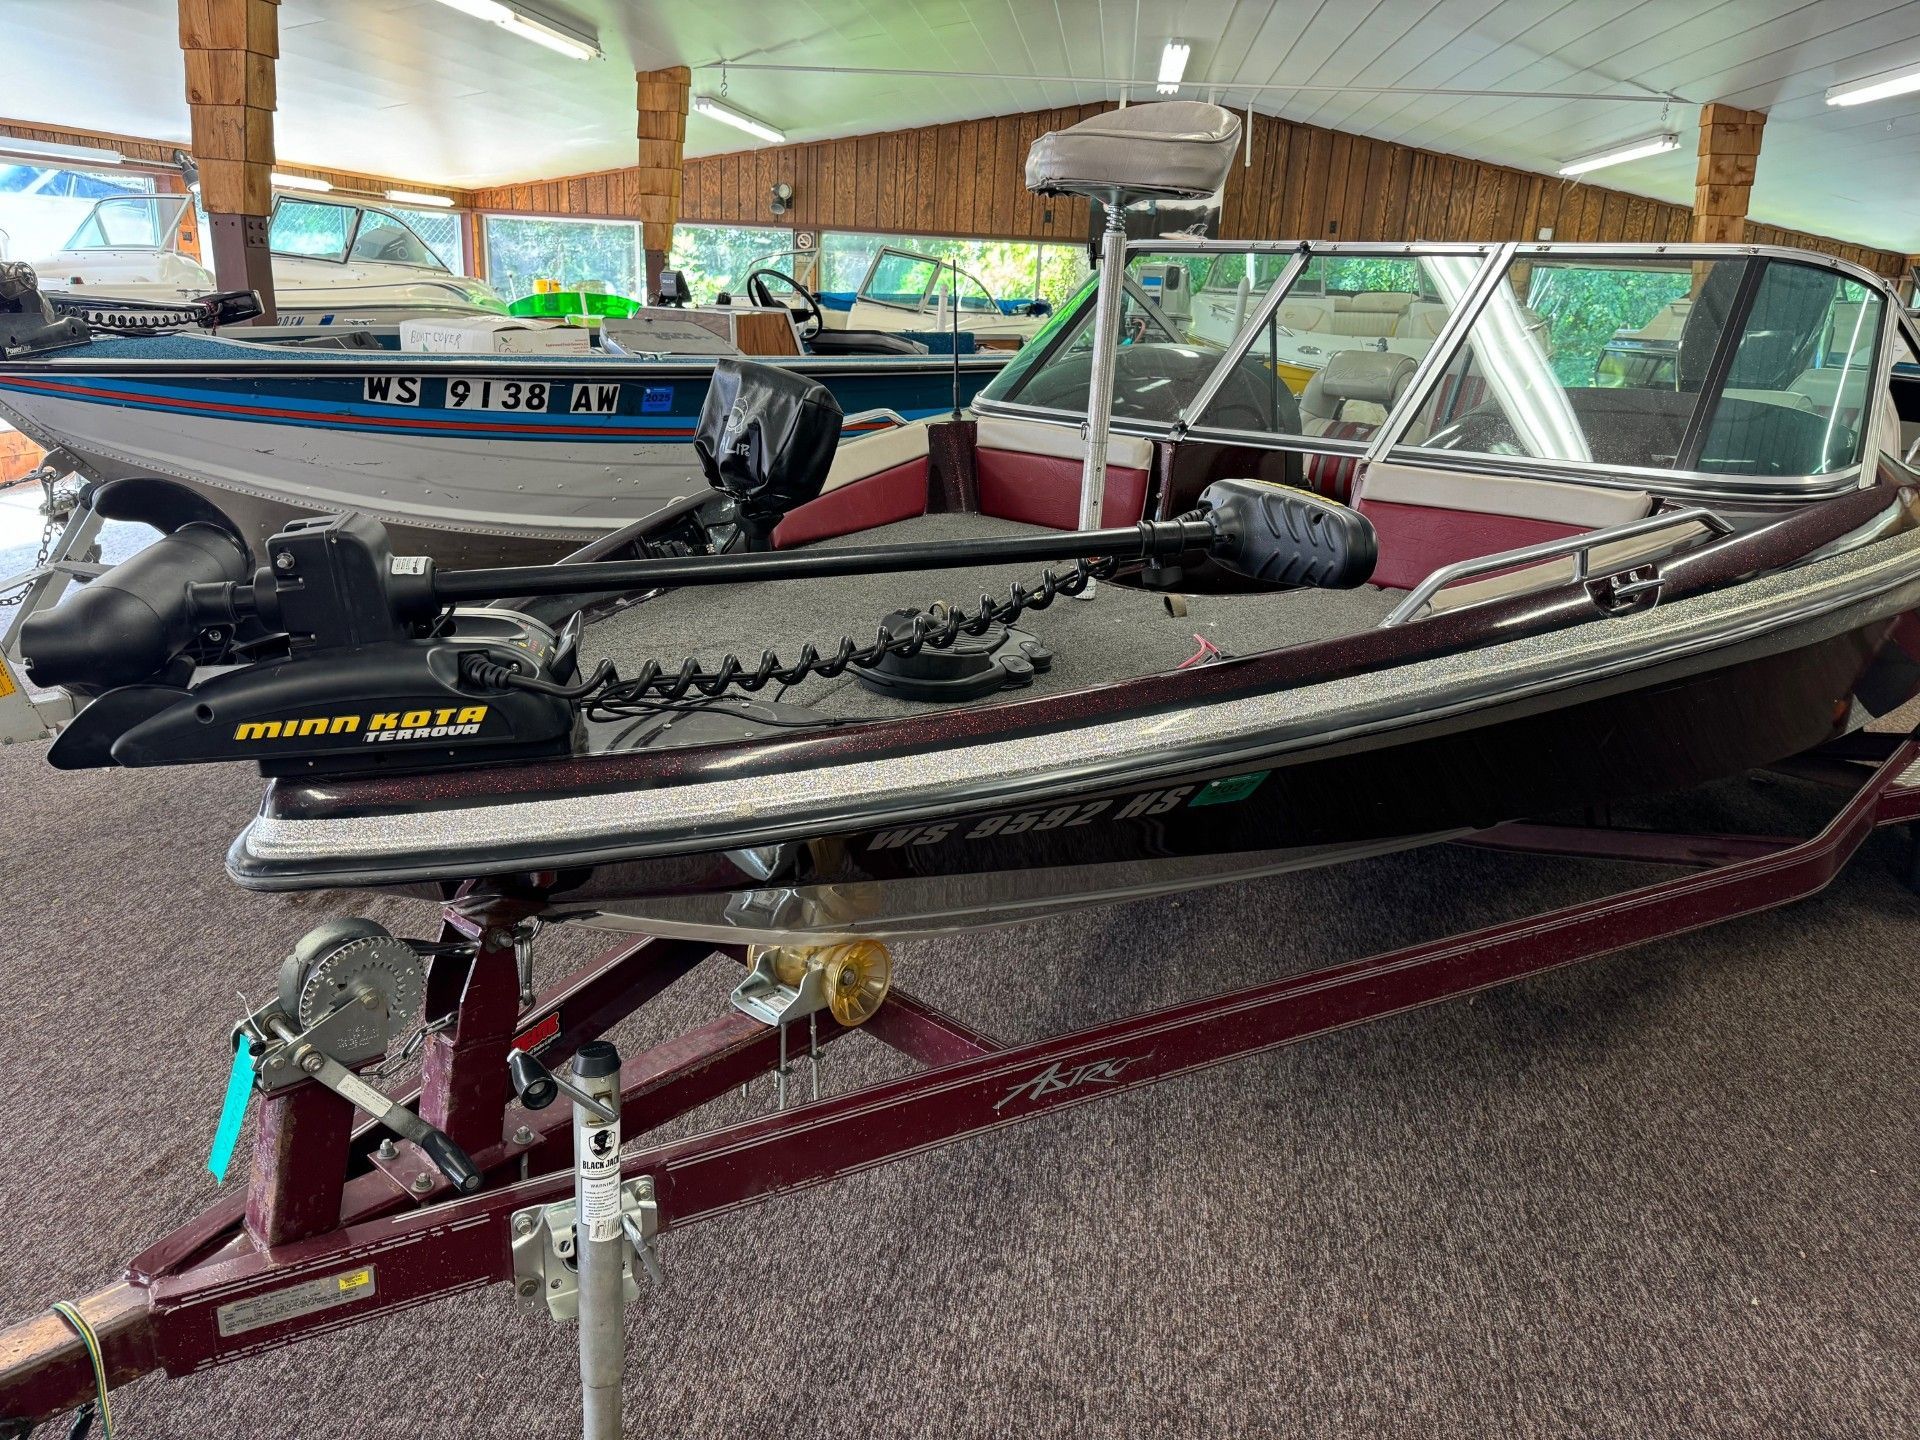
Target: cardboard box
(492, 335)
(668, 330)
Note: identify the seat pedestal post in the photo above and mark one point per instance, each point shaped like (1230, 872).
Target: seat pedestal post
(1106, 336)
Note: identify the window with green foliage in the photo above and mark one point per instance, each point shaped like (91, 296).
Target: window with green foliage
(440, 229)
(1010, 269)
(313, 229)
(717, 257)
(1612, 311)
(1595, 362)
(601, 255)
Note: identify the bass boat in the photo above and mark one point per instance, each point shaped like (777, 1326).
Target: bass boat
(1146, 621)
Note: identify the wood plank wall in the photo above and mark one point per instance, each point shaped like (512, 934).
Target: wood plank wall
(1302, 177)
(965, 178)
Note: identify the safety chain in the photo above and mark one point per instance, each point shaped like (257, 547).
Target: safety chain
(625, 699)
(49, 507)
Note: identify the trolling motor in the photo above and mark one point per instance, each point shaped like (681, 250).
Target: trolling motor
(334, 654)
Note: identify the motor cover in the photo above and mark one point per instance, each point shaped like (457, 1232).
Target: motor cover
(766, 437)
(129, 625)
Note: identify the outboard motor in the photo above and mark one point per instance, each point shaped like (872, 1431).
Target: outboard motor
(766, 439)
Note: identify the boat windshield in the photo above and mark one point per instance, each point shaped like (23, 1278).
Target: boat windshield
(130, 222)
(907, 280)
(1748, 365)
(1183, 311)
(327, 230)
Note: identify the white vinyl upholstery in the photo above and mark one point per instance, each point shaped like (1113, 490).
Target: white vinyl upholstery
(1374, 313)
(1423, 320)
(1587, 507)
(1176, 148)
(1035, 437)
(1355, 385)
(871, 454)
(1309, 313)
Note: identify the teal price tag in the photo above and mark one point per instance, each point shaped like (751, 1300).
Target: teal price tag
(233, 1111)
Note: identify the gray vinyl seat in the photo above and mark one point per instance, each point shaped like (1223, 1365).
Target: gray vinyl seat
(1177, 149)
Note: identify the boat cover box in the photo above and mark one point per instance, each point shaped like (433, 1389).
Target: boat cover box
(492, 335)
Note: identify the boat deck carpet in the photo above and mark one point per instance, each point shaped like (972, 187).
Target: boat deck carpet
(1668, 1193)
(1119, 634)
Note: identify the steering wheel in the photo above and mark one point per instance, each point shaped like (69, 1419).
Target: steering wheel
(757, 291)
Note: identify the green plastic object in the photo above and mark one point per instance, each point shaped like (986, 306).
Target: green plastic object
(558, 304)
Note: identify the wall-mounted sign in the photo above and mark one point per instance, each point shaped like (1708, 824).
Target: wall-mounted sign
(803, 239)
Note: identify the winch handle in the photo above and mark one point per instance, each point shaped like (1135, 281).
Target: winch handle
(448, 1158)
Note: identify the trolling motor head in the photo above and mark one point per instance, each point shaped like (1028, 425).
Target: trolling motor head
(355, 662)
(766, 438)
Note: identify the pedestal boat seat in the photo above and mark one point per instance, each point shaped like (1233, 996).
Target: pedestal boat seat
(1178, 149)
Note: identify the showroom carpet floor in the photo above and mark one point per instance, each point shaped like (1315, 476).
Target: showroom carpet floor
(1670, 1193)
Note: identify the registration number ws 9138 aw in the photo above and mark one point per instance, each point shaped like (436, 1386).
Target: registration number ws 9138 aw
(497, 394)
(523, 396)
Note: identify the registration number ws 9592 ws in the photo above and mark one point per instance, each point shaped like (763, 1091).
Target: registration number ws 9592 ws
(1021, 822)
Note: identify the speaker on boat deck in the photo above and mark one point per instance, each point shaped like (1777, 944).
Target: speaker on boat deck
(766, 438)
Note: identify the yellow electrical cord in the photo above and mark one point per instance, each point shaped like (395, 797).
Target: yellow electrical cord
(71, 1314)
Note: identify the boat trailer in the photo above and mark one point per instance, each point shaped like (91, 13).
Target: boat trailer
(475, 1178)
(68, 552)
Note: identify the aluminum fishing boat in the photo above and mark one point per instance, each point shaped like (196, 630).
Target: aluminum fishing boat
(474, 459)
(1223, 630)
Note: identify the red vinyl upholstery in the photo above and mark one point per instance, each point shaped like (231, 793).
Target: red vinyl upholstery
(1416, 540)
(1045, 489)
(875, 480)
(1424, 519)
(877, 499)
(1030, 472)
(1333, 475)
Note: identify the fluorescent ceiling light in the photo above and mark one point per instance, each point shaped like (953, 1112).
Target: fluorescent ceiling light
(1620, 154)
(714, 110)
(1173, 65)
(415, 197)
(43, 150)
(1876, 87)
(300, 182)
(530, 24)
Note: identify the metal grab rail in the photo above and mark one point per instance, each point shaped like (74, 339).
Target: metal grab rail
(1578, 546)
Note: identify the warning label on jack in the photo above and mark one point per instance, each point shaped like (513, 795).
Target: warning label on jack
(600, 1181)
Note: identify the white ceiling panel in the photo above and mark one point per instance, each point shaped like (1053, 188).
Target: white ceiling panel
(413, 88)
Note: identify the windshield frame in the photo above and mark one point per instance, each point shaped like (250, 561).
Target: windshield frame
(1498, 259)
(360, 213)
(152, 201)
(940, 266)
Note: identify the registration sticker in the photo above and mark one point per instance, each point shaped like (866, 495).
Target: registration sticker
(1229, 790)
(656, 400)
